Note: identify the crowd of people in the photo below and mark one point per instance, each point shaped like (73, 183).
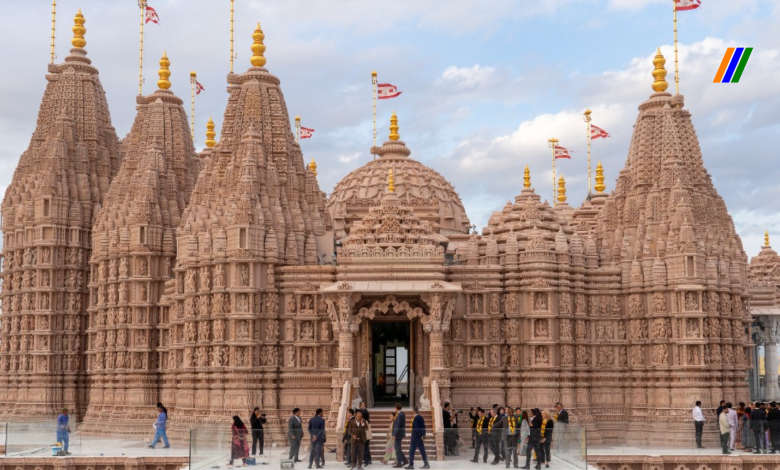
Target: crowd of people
(752, 427)
(509, 433)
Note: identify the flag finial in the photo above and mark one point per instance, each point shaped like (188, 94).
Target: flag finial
(78, 40)
(600, 187)
(766, 238)
(394, 127)
(659, 73)
(163, 83)
(526, 178)
(313, 166)
(390, 181)
(258, 49)
(561, 190)
(210, 134)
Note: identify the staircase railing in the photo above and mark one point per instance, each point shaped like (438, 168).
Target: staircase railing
(438, 420)
(342, 416)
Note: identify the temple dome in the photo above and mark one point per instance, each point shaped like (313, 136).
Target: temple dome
(430, 196)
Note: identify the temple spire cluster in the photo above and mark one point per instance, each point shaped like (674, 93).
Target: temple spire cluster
(216, 283)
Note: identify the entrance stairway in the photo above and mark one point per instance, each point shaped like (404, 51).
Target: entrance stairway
(381, 422)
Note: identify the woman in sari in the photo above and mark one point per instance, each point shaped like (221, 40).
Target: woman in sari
(389, 454)
(239, 448)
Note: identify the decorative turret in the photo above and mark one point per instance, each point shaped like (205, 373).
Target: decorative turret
(394, 128)
(390, 181)
(210, 134)
(561, 190)
(258, 48)
(79, 30)
(163, 83)
(599, 187)
(659, 73)
(526, 178)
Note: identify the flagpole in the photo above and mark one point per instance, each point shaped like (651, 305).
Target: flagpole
(53, 22)
(298, 130)
(193, 81)
(232, 54)
(676, 61)
(587, 121)
(142, 8)
(373, 104)
(553, 142)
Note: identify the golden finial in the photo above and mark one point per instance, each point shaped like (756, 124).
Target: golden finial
(373, 73)
(390, 181)
(659, 73)
(164, 73)
(78, 31)
(561, 190)
(526, 178)
(210, 134)
(313, 166)
(766, 238)
(599, 179)
(394, 127)
(258, 60)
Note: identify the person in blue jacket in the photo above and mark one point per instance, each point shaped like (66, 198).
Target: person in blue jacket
(317, 433)
(63, 430)
(159, 426)
(399, 433)
(418, 433)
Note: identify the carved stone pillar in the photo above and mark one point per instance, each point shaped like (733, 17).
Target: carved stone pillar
(345, 325)
(435, 324)
(771, 389)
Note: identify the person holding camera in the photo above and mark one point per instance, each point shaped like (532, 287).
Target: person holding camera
(257, 421)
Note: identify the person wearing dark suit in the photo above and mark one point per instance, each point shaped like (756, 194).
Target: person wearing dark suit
(367, 451)
(357, 431)
(512, 435)
(758, 426)
(547, 434)
(480, 429)
(399, 433)
(563, 414)
(295, 434)
(447, 422)
(345, 437)
(473, 416)
(534, 439)
(418, 434)
(317, 435)
(257, 420)
(497, 434)
(773, 422)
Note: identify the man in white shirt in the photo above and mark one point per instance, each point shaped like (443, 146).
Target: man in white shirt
(698, 422)
(725, 429)
(733, 424)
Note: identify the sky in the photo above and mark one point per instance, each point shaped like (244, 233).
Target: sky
(485, 83)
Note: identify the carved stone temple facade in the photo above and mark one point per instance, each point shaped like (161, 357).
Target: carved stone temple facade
(140, 270)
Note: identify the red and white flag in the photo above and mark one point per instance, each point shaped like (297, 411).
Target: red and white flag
(683, 5)
(199, 87)
(386, 91)
(561, 152)
(306, 132)
(597, 133)
(151, 15)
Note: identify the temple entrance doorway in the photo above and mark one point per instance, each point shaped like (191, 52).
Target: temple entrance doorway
(390, 362)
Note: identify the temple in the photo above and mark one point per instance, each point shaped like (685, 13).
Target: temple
(139, 270)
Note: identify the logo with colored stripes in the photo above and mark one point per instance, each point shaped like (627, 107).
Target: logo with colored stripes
(733, 64)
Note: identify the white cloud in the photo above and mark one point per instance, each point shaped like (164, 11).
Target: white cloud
(348, 157)
(467, 78)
